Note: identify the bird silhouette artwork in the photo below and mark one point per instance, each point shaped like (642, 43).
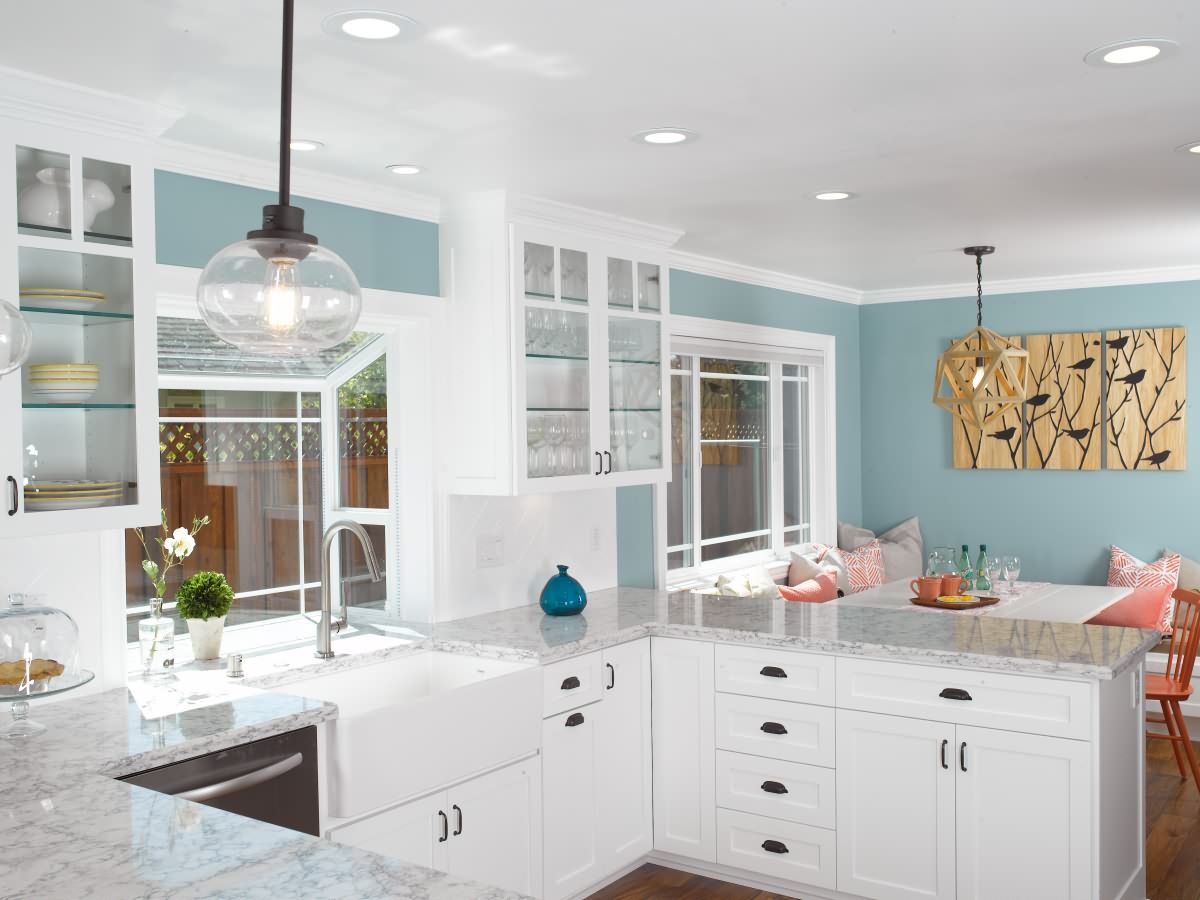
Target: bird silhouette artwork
(1063, 413)
(1004, 434)
(1145, 376)
(998, 445)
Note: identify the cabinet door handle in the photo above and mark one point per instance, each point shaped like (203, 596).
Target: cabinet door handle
(962, 756)
(445, 828)
(612, 676)
(774, 846)
(458, 811)
(608, 460)
(574, 719)
(774, 787)
(599, 463)
(945, 744)
(773, 728)
(773, 672)
(14, 495)
(570, 683)
(954, 694)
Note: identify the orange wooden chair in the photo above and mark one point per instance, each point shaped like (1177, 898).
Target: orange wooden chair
(1175, 685)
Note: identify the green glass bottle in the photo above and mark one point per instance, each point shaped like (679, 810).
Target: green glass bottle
(982, 582)
(964, 569)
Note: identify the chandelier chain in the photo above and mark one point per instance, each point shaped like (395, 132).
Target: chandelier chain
(979, 289)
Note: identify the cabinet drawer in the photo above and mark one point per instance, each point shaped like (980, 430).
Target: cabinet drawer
(791, 731)
(996, 700)
(570, 683)
(781, 674)
(772, 787)
(798, 853)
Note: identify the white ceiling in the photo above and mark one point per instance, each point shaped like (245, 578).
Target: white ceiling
(956, 123)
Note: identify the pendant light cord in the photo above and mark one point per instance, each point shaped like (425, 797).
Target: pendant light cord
(979, 289)
(285, 107)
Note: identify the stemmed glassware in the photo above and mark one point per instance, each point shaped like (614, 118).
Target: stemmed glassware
(535, 438)
(1011, 569)
(993, 571)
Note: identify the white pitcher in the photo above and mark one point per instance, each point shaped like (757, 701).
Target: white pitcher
(48, 203)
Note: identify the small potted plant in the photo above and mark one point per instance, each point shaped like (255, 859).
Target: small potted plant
(204, 600)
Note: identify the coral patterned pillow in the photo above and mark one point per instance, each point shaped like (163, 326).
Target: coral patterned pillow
(1144, 608)
(1126, 570)
(818, 589)
(865, 566)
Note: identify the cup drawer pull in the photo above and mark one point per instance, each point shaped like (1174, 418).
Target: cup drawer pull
(774, 787)
(954, 694)
(570, 683)
(773, 728)
(574, 719)
(773, 672)
(774, 846)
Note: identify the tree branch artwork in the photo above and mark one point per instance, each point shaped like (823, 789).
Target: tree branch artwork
(1063, 419)
(1000, 445)
(1145, 380)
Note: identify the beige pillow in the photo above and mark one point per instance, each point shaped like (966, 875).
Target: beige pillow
(1189, 570)
(809, 560)
(903, 550)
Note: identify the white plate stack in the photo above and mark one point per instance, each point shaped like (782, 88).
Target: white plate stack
(71, 494)
(61, 298)
(64, 382)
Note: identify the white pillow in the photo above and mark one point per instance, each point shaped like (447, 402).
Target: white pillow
(809, 560)
(751, 583)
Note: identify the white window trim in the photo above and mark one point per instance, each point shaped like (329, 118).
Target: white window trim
(725, 337)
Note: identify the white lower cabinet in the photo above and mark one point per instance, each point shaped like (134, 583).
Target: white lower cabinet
(937, 810)
(596, 770)
(776, 848)
(684, 748)
(486, 829)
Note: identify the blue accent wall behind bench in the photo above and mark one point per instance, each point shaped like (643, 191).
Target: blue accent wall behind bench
(196, 217)
(1060, 523)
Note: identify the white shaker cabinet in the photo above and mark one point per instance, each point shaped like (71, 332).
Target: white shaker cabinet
(895, 807)
(684, 748)
(570, 788)
(486, 829)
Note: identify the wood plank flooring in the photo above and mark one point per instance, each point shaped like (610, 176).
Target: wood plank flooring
(1172, 848)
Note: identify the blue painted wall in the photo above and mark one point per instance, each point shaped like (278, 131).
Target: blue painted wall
(732, 301)
(1061, 523)
(196, 217)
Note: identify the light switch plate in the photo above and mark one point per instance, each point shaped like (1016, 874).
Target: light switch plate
(489, 551)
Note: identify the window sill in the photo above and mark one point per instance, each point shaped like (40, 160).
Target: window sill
(695, 579)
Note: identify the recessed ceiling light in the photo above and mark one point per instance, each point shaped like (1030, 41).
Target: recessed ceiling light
(1193, 147)
(833, 195)
(301, 145)
(1131, 53)
(405, 169)
(665, 136)
(371, 25)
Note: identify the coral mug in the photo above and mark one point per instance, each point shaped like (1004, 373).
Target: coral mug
(951, 585)
(927, 587)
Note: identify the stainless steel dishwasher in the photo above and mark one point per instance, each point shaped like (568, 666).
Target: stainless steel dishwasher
(273, 780)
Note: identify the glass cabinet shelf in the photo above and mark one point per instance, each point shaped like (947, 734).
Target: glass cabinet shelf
(46, 314)
(555, 409)
(77, 406)
(99, 237)
(555, 356)
(633, 362)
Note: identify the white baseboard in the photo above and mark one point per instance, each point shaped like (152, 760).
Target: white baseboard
(615, 877)
(744, 878)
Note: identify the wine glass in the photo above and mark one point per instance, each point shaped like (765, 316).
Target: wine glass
(1011, 566)
(992, 565)
(535, 436)
(556, 432)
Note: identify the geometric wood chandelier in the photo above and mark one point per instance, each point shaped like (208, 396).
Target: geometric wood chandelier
(982, 374)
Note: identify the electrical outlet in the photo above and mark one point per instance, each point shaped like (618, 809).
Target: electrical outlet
(489, 551)
(595, 537)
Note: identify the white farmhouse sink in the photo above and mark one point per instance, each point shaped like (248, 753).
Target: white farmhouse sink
(411, 724)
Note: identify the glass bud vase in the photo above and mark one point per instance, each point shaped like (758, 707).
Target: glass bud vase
(156, 636)
(563, 595)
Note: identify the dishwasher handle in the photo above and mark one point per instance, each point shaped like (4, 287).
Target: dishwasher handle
(242, 782)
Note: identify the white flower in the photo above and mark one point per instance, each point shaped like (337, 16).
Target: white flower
(180, 543)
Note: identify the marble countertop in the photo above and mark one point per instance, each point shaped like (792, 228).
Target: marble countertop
(933, 637)
(71, 831)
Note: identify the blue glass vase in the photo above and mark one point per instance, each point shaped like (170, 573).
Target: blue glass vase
(563, 595)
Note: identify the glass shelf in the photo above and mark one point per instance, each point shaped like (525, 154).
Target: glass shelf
(634, 362)
(99, 237)
(536, 295)
(87, 313)
(556, 356)
(634, 409)
(556, 409)
(567, 299)
(77, 406)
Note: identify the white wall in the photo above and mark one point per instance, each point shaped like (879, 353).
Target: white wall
(82, 574)
(577, 529)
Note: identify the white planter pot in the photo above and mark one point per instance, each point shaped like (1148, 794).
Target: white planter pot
(206, 637)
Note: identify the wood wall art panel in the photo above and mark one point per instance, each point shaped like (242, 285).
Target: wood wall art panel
(1063, 417)
(1145, 380)
(997, 446)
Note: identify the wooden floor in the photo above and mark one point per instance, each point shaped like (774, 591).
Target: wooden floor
(1172, 848)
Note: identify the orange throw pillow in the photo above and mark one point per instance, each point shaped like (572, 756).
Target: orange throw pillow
(1144, 608)
(818, 589)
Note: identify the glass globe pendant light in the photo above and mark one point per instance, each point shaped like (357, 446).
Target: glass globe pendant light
(278, 292)
(16, 338)
(982, 374)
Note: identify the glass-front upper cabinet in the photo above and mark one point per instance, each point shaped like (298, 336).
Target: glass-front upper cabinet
(79, 449)
(591, 379)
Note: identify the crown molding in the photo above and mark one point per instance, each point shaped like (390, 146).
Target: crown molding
(534, 211)
(796, 284)
(220, 165)
(1115, 278)
(61, 104)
